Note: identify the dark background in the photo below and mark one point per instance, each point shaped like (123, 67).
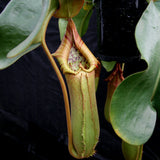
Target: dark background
(32, 114)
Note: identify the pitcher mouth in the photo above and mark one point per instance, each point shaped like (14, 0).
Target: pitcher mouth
(76, 60)
(73, 55)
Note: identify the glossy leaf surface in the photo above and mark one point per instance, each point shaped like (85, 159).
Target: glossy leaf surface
(132, 114)
(21, 28)
(156, 99)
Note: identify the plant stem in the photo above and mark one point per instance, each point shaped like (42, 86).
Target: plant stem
(64, 89)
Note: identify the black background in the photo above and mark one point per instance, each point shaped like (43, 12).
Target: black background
(32, 114)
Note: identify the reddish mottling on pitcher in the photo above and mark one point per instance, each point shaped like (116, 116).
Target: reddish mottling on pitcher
(113, 80)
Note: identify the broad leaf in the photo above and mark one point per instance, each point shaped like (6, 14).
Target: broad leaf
(68, 8)
(81, 20)
(156, 99)
(22, 25)
(132, 114)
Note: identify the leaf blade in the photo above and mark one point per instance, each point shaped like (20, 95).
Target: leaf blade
(21, 28)
(132, 114)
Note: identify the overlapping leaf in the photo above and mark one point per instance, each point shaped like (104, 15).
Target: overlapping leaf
(68, 8)
(81, 20)
(132, 114)
(21, 28)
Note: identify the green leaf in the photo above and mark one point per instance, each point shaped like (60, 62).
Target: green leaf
(156, 99)
(132, 152)
(81, 20)
(150, 0)
(132, 114)
(21, 28)
(68, 8)
(62, 22)
(108, 65)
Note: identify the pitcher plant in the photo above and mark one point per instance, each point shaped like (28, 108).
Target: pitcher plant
(78, 65)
